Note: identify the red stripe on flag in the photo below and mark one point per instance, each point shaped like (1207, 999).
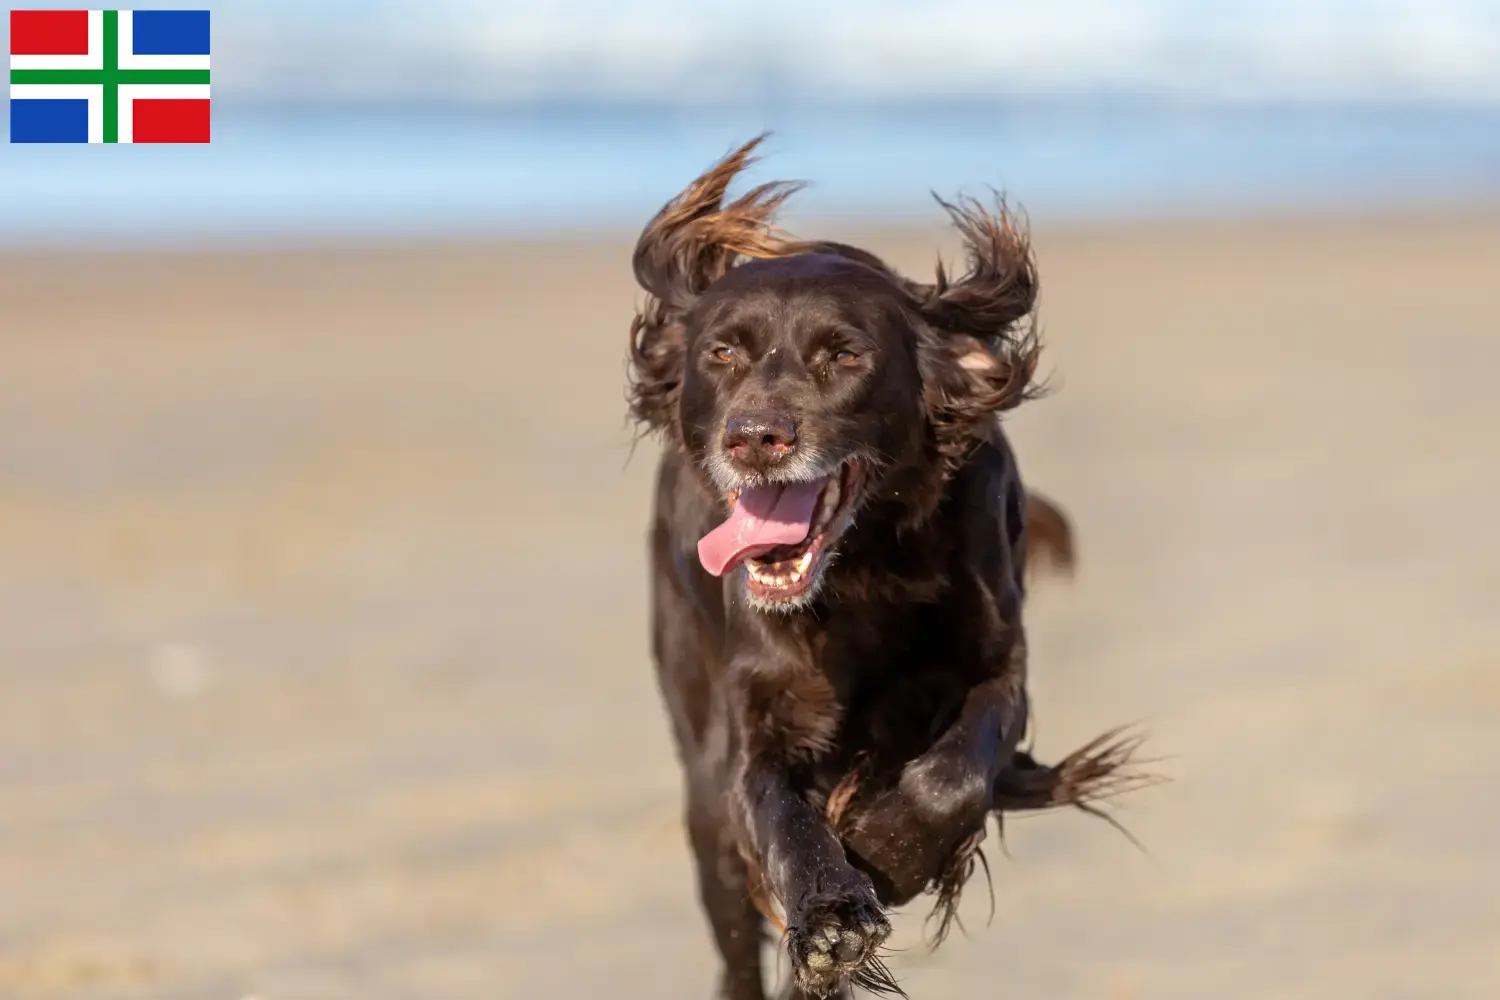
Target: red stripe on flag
(49, 32)
(169, 120)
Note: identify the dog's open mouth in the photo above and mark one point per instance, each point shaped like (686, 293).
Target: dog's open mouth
(782, 532)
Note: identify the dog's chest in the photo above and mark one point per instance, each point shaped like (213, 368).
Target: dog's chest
(894, 689)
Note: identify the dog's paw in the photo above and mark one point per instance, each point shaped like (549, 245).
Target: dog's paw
(834, 936)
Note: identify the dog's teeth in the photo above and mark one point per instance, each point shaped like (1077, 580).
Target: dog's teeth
(786, 573)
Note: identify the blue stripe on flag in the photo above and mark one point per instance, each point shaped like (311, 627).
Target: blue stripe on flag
(169, 33)
(49, 120)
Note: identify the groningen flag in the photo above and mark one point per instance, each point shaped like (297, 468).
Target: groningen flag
(109, 76)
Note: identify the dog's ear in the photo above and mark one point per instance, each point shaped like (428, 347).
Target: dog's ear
(979, 351)
(686, 247)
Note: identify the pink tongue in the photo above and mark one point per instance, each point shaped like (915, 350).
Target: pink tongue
(765, 517)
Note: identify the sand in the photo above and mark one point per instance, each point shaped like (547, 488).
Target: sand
(323, 662)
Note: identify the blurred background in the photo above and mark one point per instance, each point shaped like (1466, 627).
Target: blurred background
(323, 661)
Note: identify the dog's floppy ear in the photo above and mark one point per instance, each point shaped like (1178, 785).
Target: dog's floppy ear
(686, 247)
(979, 352)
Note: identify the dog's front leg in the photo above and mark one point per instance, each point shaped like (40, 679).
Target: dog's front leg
(950, 785)
(834, 922)
(914, 832)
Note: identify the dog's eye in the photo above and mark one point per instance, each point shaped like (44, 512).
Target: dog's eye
(845, 357)
(723, 354)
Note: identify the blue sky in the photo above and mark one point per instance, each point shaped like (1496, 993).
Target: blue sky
(699, 49)
(711, 50)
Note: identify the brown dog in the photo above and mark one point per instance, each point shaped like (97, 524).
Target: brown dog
(838, 561)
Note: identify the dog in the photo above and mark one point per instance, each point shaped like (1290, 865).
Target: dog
(838, 555)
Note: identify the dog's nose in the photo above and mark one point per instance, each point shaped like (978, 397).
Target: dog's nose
(760, 439)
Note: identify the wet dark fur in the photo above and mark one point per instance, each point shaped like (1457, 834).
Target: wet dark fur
(844, 758)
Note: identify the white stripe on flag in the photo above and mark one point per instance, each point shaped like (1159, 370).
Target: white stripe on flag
(94, 60)
(129, 92)
(92, 92)
(129, 60)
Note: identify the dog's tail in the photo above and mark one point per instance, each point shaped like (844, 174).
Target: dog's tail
(1106, 767)
(1049, 534)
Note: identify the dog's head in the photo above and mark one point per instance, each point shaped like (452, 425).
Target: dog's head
(810, 382)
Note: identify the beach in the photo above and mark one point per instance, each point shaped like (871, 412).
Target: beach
(298, 702)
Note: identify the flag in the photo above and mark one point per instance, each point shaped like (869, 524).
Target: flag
(109, 76)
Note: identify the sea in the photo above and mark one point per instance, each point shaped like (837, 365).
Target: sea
(273, 173)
